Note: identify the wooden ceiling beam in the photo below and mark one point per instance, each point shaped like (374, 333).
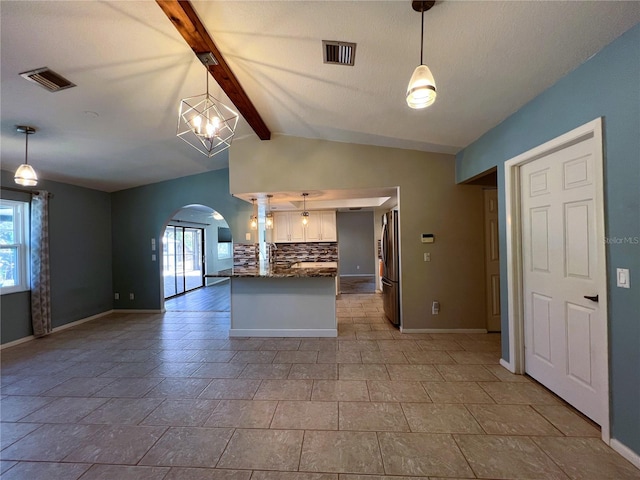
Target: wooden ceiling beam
(186, 21)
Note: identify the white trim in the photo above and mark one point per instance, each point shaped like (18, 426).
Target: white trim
(514, 248)
(132, 310)
(626, 452)
(285, 332)
(57, 329)
(443, 330)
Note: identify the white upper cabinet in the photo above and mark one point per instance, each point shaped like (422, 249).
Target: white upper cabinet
(287, 227)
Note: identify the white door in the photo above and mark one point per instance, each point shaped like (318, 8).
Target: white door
(565, 332)
(492, 260)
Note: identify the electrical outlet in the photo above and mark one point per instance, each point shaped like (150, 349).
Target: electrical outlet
(131, 296)
(435, 308)
(357, 267)
(116, 296)
(427, 257)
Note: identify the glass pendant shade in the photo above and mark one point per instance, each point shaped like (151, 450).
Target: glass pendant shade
(268, 221)
(305, 219)
(421, 91)
(26, 176)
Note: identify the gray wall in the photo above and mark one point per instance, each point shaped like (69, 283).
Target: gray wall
(141, 213)
(605, 86)
(356, 243)
(80, 256)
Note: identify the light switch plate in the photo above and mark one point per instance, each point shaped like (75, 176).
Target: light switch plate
(622, 276)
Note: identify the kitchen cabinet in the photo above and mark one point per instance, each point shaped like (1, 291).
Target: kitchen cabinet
(287, 227)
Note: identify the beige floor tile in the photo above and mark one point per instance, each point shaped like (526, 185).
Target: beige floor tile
(42, 470)
(414, 373)
(385, 356)
(526, 393)
(243, 344)
(429, 357)
(372, 416)
(281, 344)
(374, 335)
(397, 391)
(294, 415)
(313, 371)
(131, 369)
(303, 356)
(181, 413)
(181, 473)
(505, 375)
(231, 389)
(357, 345)
(385, 477)
(265, 356)
(188, 447)
(348, 371)
(178, 388)
(174, 369)
(269, 450)
(32, 384)
(511, 420)
(507, 457)
(124, 472)
(456, 392)
(320, 345)
(348, 452)
(340, 390)
(123, 411)
(242, 414)
(587, 458)
(119, 444)
(293, 476)
(128, 387)
(466, 373)
(212, 356)
(439, 345)
(79, 387)
(284, 390)
(422, 454)
(398, 345)
(334, 356)
(475, 358)
(219, 370)
(567, 421)
(266, 371)
(440, 418)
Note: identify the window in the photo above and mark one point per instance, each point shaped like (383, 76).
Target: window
(224, 250)
(13, 246)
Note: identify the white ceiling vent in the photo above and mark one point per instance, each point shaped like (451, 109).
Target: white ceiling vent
(47, 79)
(339, 53)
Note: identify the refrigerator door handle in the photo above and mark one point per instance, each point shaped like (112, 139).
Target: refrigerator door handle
(387, 282)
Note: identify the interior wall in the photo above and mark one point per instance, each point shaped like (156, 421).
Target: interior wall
(604, 86)
(139, 214)
(80, 258)
(429, 202)
(356, 243)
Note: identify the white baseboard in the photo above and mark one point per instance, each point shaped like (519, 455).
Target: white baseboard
(443, 330)
(626, 452)
(131, 310)
(307, 332)
(508, 365)
(57, 329)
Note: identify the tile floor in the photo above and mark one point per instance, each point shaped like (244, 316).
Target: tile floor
(151, 397)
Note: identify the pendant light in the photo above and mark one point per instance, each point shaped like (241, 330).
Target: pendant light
(204, 122)
(268, 218)
(25, 174)
(253, 220)
(305, 214)
(421, 91)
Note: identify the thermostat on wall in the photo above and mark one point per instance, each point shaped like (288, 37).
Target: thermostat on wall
(428, 238)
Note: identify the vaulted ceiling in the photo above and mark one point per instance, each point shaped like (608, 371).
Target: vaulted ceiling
(116, 128)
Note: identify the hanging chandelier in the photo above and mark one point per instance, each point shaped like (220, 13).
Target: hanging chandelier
(25, 174)
(253, 220)
(421, 91)
(204, 122)
(305, 214)
(268, 218)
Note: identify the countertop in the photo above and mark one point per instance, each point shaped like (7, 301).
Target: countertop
(274, 271)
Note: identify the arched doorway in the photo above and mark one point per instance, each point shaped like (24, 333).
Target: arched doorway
(196, 241)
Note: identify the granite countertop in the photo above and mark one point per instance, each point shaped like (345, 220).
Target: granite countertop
(274, 271)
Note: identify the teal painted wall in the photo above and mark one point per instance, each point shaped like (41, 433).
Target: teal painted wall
(80, 256)
(607, 85)
(140, 214)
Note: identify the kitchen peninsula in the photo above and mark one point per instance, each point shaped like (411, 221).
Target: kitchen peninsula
(275, 300)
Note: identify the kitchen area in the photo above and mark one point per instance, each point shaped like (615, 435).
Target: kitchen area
(286, 274)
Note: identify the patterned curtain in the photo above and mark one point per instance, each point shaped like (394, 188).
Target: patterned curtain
(40, 286)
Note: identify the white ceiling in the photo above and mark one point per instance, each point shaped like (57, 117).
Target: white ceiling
(116, 129)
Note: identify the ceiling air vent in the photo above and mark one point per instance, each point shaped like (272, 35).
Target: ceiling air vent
(48, 79)
(339, 53)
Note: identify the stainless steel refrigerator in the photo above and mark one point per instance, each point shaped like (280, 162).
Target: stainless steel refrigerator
(389, 246)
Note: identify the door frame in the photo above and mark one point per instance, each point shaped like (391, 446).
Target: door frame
(513, 254)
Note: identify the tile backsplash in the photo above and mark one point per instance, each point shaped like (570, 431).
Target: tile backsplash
(245, 254)
(287, 253)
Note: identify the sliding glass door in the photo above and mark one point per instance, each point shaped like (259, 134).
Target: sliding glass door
(183, 259)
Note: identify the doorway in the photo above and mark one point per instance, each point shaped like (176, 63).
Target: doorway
(356, 251)
(557, 269)
(182, 259)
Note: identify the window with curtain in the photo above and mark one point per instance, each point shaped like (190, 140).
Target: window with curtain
(14, 248)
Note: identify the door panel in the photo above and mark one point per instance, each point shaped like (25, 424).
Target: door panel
(564, 332)
(492, 260)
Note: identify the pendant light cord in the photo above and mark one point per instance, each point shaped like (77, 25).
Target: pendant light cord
(26, 148)
(422, 34)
